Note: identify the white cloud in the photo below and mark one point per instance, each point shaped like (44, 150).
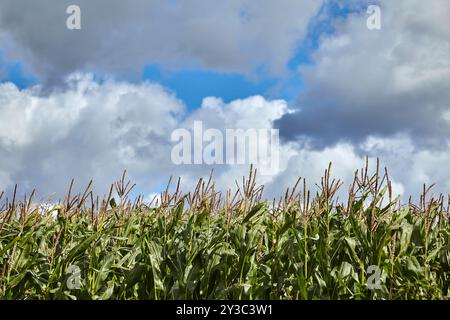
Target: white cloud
(89, 130)
(95, 130)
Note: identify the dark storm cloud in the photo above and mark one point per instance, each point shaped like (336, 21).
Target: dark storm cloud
(121, 37)
(380, 83)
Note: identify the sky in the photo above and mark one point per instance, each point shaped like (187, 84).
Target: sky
(89, 103)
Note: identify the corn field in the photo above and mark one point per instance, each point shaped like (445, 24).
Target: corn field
(207, 245)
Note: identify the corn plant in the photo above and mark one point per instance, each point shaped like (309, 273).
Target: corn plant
(208, 245)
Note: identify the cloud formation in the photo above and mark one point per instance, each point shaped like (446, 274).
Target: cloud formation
(378, 93)
(96, 130)
(379, 83)
(89, 130)
(121, 37)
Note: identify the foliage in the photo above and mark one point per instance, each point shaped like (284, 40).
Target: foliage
(204, 245)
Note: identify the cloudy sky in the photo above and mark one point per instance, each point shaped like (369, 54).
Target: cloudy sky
(90, 103)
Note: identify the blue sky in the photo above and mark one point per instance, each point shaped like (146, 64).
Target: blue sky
(193, 85)
(14, 72)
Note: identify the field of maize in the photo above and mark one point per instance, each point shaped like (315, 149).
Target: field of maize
(208, 245)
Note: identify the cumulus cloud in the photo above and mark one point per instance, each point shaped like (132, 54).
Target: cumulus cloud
(120, 37)
(96, 130)
(251, 113)
(381, 82)
(89, 130)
